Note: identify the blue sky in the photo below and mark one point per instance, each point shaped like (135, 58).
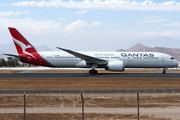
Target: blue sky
(89, 25)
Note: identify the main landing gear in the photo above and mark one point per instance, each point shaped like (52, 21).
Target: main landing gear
(93, 72)
(164, 70)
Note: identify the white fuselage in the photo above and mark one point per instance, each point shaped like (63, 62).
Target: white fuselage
(131, 59)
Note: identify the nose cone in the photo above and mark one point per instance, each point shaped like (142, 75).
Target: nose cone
(176, 63)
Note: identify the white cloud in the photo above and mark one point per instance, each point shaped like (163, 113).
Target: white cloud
(49, 30)
(107, 4)
(76, 25)
(175, 24)
(137, 35)
(81, 12)
(31, 25)
(147, 2)
(146, 17)
(151, 17)
(3, 4)
(6, 14)
(60, 18)
(154, 21)
(79, 24)
(10, 13)
(96, 23)
(157, 16)
(168, 3)
(22, 12)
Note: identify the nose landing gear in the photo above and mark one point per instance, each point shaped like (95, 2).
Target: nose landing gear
(164, 70)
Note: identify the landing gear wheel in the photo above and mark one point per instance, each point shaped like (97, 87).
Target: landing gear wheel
(164, 72)
(90, 72)
(93, 72)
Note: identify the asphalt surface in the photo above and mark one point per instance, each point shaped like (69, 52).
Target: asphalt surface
(86, 75)
(93, 91)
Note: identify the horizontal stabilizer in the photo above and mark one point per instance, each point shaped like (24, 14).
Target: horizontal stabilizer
(17, 56)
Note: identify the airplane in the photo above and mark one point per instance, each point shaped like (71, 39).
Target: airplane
(111, 61)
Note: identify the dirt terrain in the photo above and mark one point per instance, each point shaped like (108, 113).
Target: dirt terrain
(110, 100)
(90, 83)
(116, 100)
(77, 116)
(61, 101)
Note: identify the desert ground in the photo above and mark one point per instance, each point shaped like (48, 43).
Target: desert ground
(153, 106)
(111, 106)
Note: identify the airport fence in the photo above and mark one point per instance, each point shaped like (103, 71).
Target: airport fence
(83, 105)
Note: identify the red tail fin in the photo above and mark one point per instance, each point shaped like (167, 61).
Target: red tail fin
(22, 45)
(25, 49)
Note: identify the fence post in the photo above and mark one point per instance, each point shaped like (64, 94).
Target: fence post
(24, 106)
(82, 106)
(137, 106)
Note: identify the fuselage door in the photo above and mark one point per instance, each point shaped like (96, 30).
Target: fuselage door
(129, 59)
(163, 59)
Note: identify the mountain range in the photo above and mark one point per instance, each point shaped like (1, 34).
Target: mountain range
(175, 52)
(164, 41)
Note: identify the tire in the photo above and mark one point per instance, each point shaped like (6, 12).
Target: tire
(90, 72)
(93, 72)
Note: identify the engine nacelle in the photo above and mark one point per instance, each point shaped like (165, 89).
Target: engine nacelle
(115, 66)
(82, 63)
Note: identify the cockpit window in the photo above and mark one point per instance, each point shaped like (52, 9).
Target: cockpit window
(172, 58)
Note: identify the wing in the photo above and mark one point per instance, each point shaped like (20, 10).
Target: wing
(17, 56)
(87, 58)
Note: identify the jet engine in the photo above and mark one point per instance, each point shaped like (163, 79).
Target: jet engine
(115, 66)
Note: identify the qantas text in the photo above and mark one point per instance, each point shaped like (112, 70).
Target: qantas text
(137, 55)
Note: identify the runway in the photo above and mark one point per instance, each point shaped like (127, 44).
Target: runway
(92, 91)
(86, 75)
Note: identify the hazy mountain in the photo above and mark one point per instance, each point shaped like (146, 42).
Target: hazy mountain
(7, 47)
(142, 48)
(138, 47)
(43, 48)
(165, 41)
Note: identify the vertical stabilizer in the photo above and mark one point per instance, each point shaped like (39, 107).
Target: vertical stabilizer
(22, 45)
(26, 50)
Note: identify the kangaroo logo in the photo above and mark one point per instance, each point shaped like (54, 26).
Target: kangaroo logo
(24, 47)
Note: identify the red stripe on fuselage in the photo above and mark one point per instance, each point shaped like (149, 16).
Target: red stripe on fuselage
(38, 61)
